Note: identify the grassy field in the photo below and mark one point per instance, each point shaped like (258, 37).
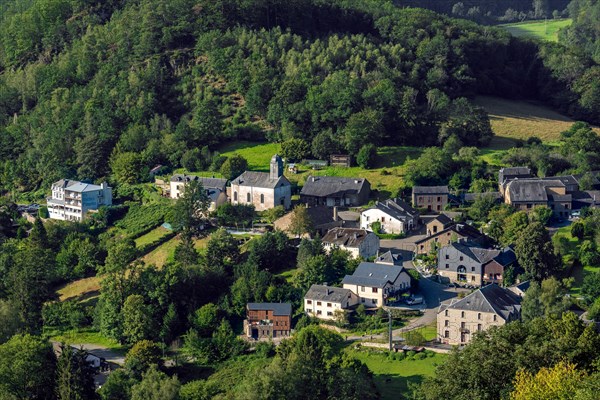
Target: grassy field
(165, 252)
(542, 30)
(89, 336)
(512, 119)
(392, 377)
(151, 236)
(89, 287)
(258, 154)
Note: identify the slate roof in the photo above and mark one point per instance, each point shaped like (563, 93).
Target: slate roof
(347, 237)
(566, 179)
(332, 186)
(489, 299)
(389, 258)
(373, 274)
(430, 190)
(482, 255)
(530, 190)
(443, 219)
(465, 230)
(278, 308)
(260, 179)
(513, 172)
(327, 293)
(396, 208)
(206, 182)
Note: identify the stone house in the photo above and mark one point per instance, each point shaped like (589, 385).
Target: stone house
(322, 301)
(375, 283)
(389, 258)
(394, 216)
(526, 194)
(74, 200)
(359, 242)
(216, 188)
(460, 319)
(264, 190)
(468, 263)
(333, 191)
(268, 320)
(508, 174)
(452, 233)
(433, 198)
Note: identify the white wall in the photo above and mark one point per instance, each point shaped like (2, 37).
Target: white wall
(389, 224)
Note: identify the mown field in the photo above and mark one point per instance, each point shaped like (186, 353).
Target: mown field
(541, 30)
(392, 376)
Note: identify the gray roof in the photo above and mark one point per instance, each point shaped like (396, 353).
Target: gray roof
(327, 293)
(489, 299)
(373, 274)
(332, 186)
(475, 252)
(348, 237)
(396, 208)
(389, 258)
(566, 179)
(430, 190)
(530, 190)
(464, 230)
(471, 197)
(277, 308)
(76, 186)
(206, 182)
(443, 219)
(260, 179)
(513, 172)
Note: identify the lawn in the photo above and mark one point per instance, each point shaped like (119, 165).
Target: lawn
(391, 376)
(88, 287)
(512, 119)
(542, 30)
(258, 154)
(166, 251)
(571, 247)
(151, 236)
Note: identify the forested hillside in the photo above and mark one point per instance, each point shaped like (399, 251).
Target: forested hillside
(584, 33)
(89, 89)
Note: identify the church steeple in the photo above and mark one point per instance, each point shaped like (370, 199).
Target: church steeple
(276, 167)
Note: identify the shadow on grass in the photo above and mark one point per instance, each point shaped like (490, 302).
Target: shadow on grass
(394, 386)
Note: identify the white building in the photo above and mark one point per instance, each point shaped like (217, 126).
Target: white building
(359, 242)
(73, 200)
(394, 216)
(264, 190)
(323, 301)
(375, 283)
(215, 188)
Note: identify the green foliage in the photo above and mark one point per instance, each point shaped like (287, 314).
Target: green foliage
(137, 319)
(141, 218)
(27, 368)
(366, 156)
(156, 385)
(547, 299)
(300, 222)
(142, 356)
(75, 375)
(590, 289)
(535, 253)
(117, 386)
(234, 166)
(235, 214)
(190, 210)
(295, 150)
(65, 315)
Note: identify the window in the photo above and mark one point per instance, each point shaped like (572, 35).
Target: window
(382, 219)
(329, 305)
(447, 257)
(318, 303)
(374, 301)
(374, 290)
(447, 265)
(234, 196)
(362, 299)
(446, 313)
(463, 325)
(247, 197)
(362, 288)
(461, 258)
(462, 314)
(446, 334)
(367, 218)
(472, 269)
(478, 315)
(319, 312)
(446, 323)
(494, 318)
(309, 310)
(308, 301)
(329, 314)
(479, 327)
(439, 198)
(262, 198)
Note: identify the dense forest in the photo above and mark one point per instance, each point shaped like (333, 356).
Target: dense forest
(88, 88)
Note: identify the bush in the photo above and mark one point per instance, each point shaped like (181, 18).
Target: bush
(65, 315)
(420, 356)
(366, 156)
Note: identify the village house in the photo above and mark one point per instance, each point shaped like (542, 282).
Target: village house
(326, 302)
(264, 190)
(216, 188)
(433, 198)
(460, 319)
(333, 191)
(268, 320)
(508, 174)
(526, 194)
(394, 216)
(322, 219)
(438, 224)
(389, 258)
(520, 288)
(440, 235)
(470, 264)
(376, 283)
(74, 200)
(359, 242)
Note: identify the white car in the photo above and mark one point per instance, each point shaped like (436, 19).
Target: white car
(414, 300)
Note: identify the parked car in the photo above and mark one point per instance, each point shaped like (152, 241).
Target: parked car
(412, 300)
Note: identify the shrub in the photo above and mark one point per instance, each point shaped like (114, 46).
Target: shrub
(420, 356)
(366, 156)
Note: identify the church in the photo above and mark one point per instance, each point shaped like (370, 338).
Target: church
(264, 190)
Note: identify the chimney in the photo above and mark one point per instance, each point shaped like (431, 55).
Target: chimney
(335, 213)
(356, 181)
(312, 178)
